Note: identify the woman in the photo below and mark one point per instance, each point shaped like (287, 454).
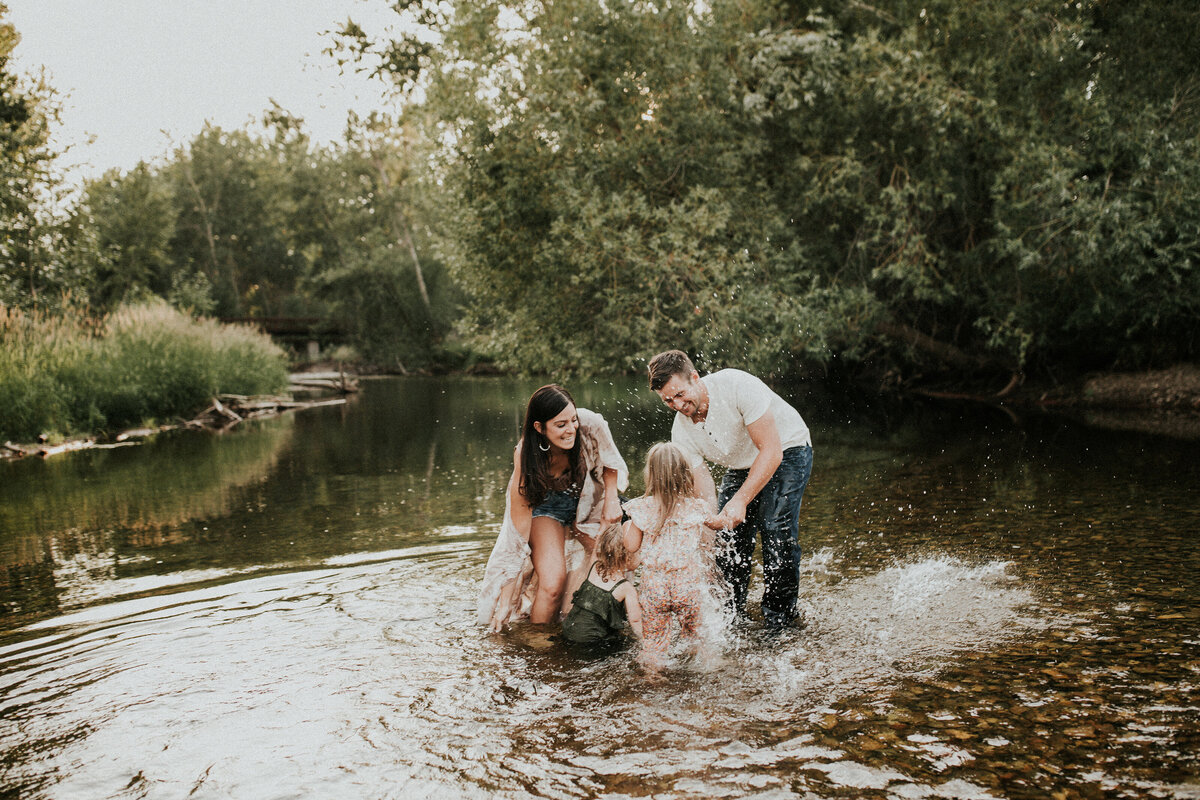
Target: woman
(563, 491)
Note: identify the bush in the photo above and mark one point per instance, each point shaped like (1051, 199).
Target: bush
(71, 374)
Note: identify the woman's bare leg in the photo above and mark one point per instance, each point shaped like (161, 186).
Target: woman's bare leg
(547, 537)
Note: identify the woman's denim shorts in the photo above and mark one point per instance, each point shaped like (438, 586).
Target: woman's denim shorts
(560, 505)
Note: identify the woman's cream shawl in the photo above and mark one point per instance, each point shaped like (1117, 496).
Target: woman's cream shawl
(508, 580)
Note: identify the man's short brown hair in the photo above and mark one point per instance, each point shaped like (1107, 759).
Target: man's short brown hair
(664, 365)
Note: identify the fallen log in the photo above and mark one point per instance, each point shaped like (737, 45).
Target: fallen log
(223, 413)
(66, 447)
(228, 410)
(222, 410)
(243, 400)
(138, 433)
(326, 385)
(337, 401)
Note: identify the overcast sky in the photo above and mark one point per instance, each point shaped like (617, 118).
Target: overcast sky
(140, 76)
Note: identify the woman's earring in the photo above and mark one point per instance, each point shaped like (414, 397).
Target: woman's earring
(544, 448)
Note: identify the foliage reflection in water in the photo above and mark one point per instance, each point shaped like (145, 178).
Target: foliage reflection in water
(993, 610)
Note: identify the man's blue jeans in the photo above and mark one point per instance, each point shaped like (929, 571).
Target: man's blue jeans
(775, 516)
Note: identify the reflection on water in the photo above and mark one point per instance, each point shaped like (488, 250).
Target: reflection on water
(993, 610)
(78, 529)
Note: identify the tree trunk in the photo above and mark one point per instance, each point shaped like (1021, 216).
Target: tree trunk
(207, 228)
(942, 351)
(403, 233)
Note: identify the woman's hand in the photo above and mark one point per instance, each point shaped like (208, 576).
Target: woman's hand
(588, 541)
(610, 509)
(610, 512)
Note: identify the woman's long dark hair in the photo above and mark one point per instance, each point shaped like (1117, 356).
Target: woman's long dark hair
(536, 481)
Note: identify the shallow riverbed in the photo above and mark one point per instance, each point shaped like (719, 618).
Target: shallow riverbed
(995, 608)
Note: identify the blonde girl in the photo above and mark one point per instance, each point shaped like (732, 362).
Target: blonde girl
(666, 527)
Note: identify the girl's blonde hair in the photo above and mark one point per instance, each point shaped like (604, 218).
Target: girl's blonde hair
(610, 554)
(668, 479)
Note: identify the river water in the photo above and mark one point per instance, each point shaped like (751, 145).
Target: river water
(995, 607)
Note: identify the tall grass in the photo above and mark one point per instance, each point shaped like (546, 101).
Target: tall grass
(69, 374)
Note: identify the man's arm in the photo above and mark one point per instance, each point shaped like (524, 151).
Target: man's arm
(765, 436)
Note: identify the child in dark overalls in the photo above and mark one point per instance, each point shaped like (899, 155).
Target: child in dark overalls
(605, 601)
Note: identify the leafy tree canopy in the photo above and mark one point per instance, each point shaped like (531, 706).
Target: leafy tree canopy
(938, 187)
(263, 224)
(31, 272)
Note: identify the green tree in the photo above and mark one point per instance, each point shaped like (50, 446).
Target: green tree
(234, 209)
(249, 224)
(935, 187)
(597, 200)
(132, 217)
(374, 263)
(30, 232)
(997, 200)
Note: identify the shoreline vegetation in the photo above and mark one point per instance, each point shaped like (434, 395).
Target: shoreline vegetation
(68, 378)
(222, 414)
(70, 381)
(1158, 402)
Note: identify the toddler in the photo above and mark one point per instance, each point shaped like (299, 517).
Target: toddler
(605, 600)
(667, 526)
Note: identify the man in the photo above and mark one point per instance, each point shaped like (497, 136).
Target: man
(733, 419)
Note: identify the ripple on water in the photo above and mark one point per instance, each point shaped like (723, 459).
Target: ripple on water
(370, 679)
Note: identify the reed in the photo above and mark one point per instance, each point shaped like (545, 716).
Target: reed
(70, 374)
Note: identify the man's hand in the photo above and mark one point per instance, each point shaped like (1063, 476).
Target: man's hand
(770, 453)
(734, 512)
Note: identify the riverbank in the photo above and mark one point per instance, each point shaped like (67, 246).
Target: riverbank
(1176, 388)
(223, 413)
(1163, 402)
(72, 374)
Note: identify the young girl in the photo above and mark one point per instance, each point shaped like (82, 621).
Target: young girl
(605, 600)
(667, 525)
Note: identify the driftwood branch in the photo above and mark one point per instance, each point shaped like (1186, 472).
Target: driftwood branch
(1016, 380)
(223, 413)
(952, 356)
(65, 447)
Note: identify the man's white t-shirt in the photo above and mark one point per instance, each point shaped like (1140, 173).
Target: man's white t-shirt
(735, 399)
